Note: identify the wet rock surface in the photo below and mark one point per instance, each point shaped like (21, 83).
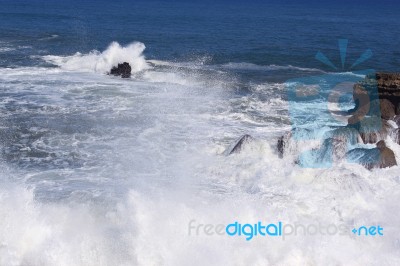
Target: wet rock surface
(374, 128)
(123, 70)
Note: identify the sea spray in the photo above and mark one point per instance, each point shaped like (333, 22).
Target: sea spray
(102, 62)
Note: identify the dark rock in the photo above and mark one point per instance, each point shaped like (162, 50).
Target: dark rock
(288, 143)
(123, 70)
(281, 146)
(238, 145)
(361, 97)
(381, 144)
(379, 157)
(283, 143)
(387, 108)
(389, 87)
(382, 86)
(387, 157)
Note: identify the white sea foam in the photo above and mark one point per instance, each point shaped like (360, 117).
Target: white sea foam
(6, 49)
(131, 163)
(152, 228)
(103, 61)
(251, 66)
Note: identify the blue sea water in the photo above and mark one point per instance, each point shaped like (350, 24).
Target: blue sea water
(262, 33)
(99, 170)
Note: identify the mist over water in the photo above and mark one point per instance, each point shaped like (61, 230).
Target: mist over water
(99, 170)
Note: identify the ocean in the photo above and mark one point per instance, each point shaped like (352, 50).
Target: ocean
(100, 170)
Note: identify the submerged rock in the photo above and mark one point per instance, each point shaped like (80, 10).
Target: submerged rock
(378, 124)
(288, 142)
(387, 157)
(281, 144)
(238, 145)
(361, 98)
(374, 129)
(379, 157)
(123, 70)
(395, 135)
(375, 117)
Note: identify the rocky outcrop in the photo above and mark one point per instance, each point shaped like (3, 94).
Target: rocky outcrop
(373, 130)
(375, 117)
(123, 70)
(385, 89)
(386, 157)
(344, 134)
(289, 142)
(389, 88)
(382, 86)
(238, 145)
(379, 157)
(281, 146)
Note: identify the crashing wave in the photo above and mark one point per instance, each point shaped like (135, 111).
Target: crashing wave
(102, 62)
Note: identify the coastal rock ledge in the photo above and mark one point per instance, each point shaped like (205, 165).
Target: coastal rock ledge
(388, 85)
(385, 88)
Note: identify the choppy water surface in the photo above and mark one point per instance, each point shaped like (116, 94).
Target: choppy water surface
(99, 170)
